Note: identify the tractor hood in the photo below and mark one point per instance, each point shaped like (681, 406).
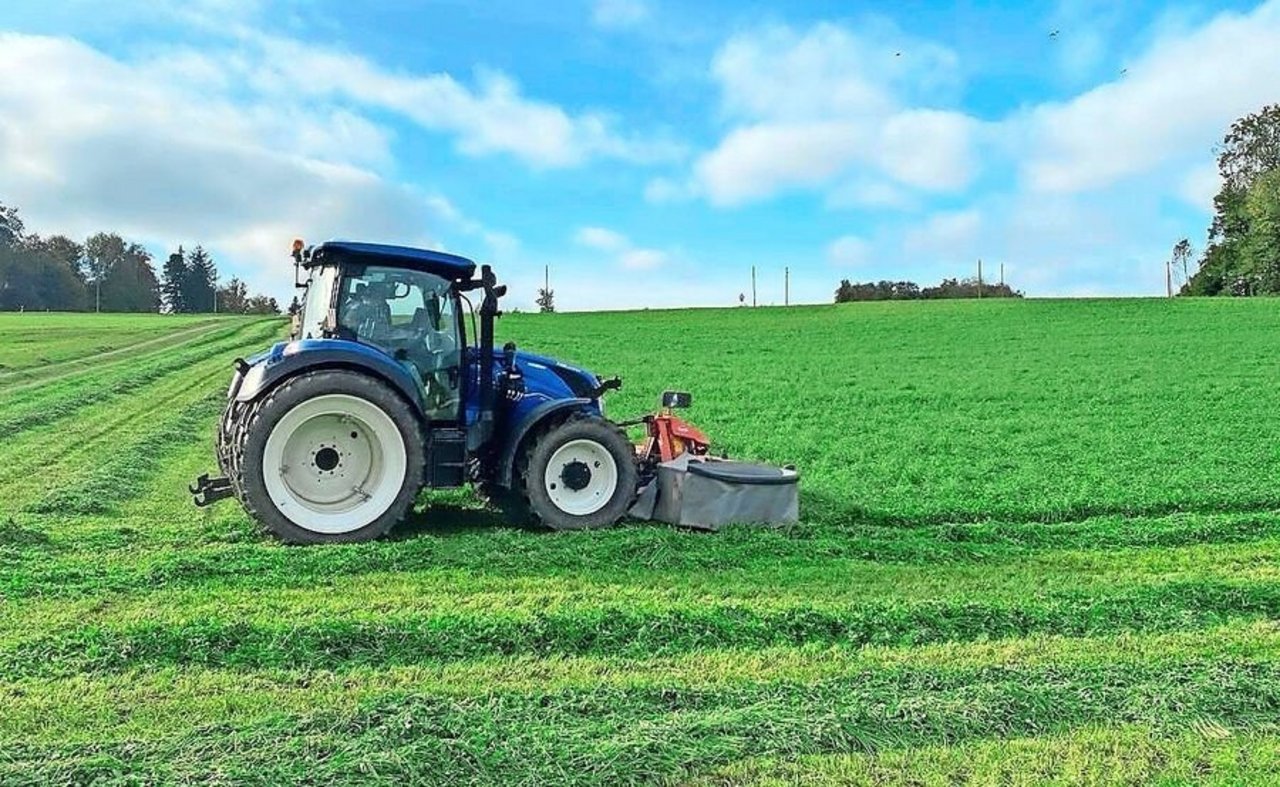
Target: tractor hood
(549, 376)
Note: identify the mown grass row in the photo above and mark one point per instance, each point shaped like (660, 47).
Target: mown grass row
(881, 559)
(389, 637)
(54, 402)
(99, 488)
(68, 455)
(54, 456)
(33, 344)
(637, 735)
(1126, 756)
(153, 700)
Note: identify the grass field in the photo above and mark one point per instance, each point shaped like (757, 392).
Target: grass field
(1040, 543)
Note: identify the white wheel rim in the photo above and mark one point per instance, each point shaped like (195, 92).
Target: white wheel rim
(574, 491)
(334, 464)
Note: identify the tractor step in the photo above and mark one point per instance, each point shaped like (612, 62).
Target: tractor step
(207, 491)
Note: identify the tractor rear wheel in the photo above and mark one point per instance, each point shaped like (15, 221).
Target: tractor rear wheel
(328, 456)
(579, 474)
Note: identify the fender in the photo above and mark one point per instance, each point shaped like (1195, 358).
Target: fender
(536, 416)
(287, 359)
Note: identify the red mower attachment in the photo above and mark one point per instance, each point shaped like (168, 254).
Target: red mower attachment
(670, 436)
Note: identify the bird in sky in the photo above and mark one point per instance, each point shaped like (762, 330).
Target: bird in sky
(1053, 34)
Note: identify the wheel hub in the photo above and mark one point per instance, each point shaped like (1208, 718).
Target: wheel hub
(576, 475)
(326, 459)
(581, 477)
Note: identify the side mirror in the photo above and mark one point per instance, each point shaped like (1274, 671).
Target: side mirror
(676, 399)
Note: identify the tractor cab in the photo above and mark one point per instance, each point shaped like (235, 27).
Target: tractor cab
(402, 301)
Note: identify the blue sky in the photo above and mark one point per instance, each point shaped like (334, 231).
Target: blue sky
(649, 151)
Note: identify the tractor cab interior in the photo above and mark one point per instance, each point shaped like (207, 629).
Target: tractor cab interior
(410, 315)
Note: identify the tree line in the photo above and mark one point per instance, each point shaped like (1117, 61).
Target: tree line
(1242, 255)
(107, 273)
(910, 291)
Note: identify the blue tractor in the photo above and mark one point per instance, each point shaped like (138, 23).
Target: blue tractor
(381, 390)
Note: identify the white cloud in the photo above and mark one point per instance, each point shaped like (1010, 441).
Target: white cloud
(620, 248)
(848, 251)
(88, 142)
(814, 107)
(1200, 185)
(492, 117)
(951, 234)
(659, 191)
(1175, 101)
(601, 239)
(643, 259)
(757, 161)
(615, 14)
(870, 193)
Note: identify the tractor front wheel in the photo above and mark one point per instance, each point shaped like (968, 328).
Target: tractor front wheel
(329, 456)
(579, 474)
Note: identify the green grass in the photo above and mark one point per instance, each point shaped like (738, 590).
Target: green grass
(1040, 543)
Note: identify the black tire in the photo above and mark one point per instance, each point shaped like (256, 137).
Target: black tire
(250, 431)
(531, 469)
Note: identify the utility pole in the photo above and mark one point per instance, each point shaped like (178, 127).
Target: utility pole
(1002, 275)
(979, 278)
(1168, 279)
(97, 298)
(546, 278)
(753, 286)
(786, 286)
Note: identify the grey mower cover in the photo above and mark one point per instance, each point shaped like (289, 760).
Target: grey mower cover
(707, 494)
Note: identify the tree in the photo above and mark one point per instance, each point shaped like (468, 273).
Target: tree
(233, 297)
(546, 300)
(31, 280)
(1237, 259)
(261, 304)
(1261, 247)
(173, 279)
(130, 284)
(102, 252)
(1180, 261)
(10, 226)
(198, 291)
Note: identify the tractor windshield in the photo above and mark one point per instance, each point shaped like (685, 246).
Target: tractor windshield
(315, 302)
(412, 316)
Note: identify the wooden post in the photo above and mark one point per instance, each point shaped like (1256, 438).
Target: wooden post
(753, 286)
(786, 287)
(979, 278)
(1168, 279)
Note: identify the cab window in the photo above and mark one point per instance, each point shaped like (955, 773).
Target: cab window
(411, 316)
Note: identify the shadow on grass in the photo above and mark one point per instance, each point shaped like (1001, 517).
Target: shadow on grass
(451, 517)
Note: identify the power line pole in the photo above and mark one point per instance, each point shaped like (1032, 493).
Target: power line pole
(1168, 279)
(753, 286)
(786, 286)
(979, 278)
(1002, 274)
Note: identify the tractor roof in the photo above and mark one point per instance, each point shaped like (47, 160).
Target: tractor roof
(449, 266)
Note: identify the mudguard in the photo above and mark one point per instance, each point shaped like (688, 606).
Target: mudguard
(289, 358)
(539, 414)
